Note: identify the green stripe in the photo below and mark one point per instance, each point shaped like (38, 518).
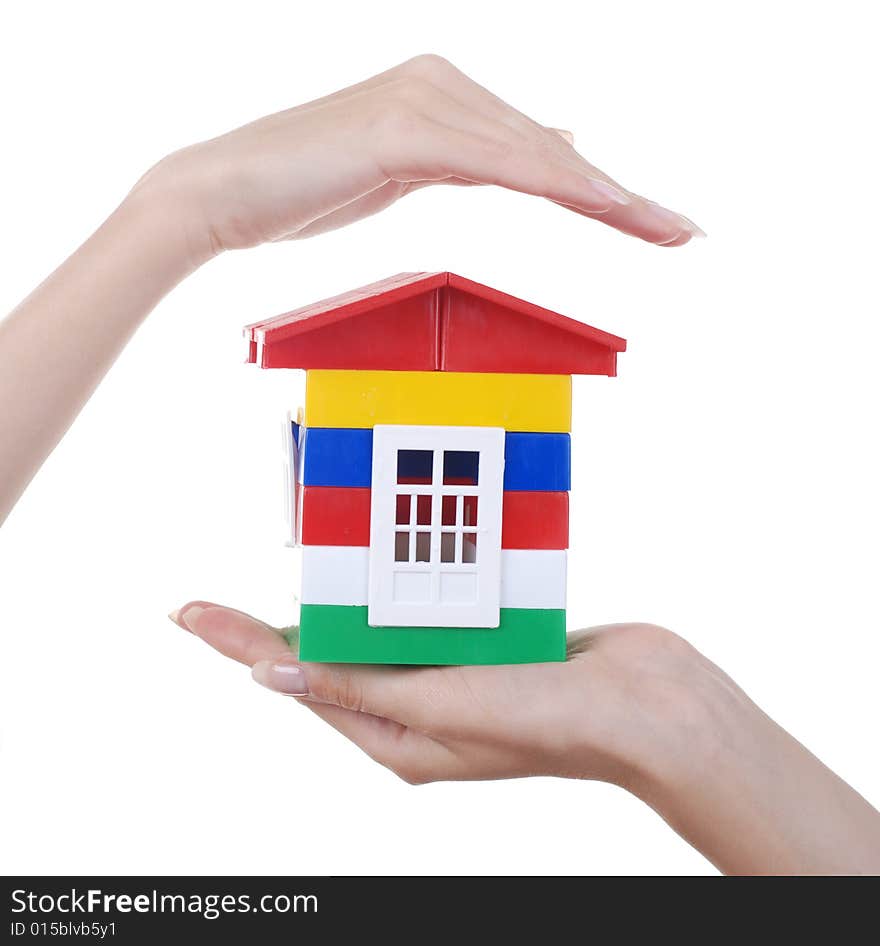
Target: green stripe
(331, 633)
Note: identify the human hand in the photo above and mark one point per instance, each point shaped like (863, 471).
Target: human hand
(330, 162)
(291, 175)
(634, 705)
(605, 713)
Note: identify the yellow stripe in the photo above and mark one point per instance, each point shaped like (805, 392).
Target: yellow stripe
(363, 398)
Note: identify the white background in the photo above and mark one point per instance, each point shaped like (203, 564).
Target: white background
(726, 482)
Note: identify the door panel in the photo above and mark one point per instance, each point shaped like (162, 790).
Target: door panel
(435, 526)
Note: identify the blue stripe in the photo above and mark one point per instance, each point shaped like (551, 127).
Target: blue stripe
(537, 461)
(340, 456)
(337, 456)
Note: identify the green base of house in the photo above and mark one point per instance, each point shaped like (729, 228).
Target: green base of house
(341, 634)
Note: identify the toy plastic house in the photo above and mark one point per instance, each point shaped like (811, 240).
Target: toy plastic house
(429, 472)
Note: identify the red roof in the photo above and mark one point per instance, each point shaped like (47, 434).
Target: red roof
(432, 322)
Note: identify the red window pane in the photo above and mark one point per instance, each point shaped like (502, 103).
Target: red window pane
(423, 510)
(448, 511)
(402, 517)
(470, 510)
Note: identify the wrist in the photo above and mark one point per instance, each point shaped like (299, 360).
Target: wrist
(665, 723)
(704, 763)
(685, 721)
(165, 205)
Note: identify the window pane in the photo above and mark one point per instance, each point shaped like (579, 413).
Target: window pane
(469, 548)
(447, 547)
(448, 517)
(423, 510)
(402, 517)
(401, 546)
(461, 467)
(423, 546)
(415, 466)
(470, 510)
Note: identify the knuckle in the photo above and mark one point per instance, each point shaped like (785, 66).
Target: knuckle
(644, 629)
(406, 764)
(348, 693)
(413, 91)
(649, 639)
(411, 772)
(439, 693)
(429, 65)
(547, 144)
(654, 633)
(502, 149)
(398, 113)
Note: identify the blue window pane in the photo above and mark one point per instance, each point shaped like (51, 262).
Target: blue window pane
(415, 466)
(461, 467)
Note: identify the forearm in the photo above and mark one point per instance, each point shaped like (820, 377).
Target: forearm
(57, 345)
(753, 800)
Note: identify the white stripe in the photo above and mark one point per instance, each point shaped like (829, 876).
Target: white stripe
(335, 574)
(339, 574)
(533, 578)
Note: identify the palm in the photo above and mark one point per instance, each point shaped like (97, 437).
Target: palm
(472, 722)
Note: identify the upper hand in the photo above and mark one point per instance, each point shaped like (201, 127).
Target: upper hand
(330, 162)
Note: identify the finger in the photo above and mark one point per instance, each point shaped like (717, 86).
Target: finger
(414, 757)
(436, 151)
(648, 221)
(683, 237)
(438, 138)
(424, 698)
(542, 173)
(233, 633)
(464, 91)
(640, 217)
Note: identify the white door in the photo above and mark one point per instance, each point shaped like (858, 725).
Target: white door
(435, 526)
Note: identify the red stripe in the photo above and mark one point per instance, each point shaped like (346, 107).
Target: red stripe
(335, 515)
(534, 520)
(340, 515)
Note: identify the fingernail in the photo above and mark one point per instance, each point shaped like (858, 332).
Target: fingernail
(697, 232)
(677, 221)
(283, 675)
(610, 191)
(185, 616)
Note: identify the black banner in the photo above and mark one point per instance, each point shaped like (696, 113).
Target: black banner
(123, 910)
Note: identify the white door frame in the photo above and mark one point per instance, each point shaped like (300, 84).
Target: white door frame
(458, 593)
